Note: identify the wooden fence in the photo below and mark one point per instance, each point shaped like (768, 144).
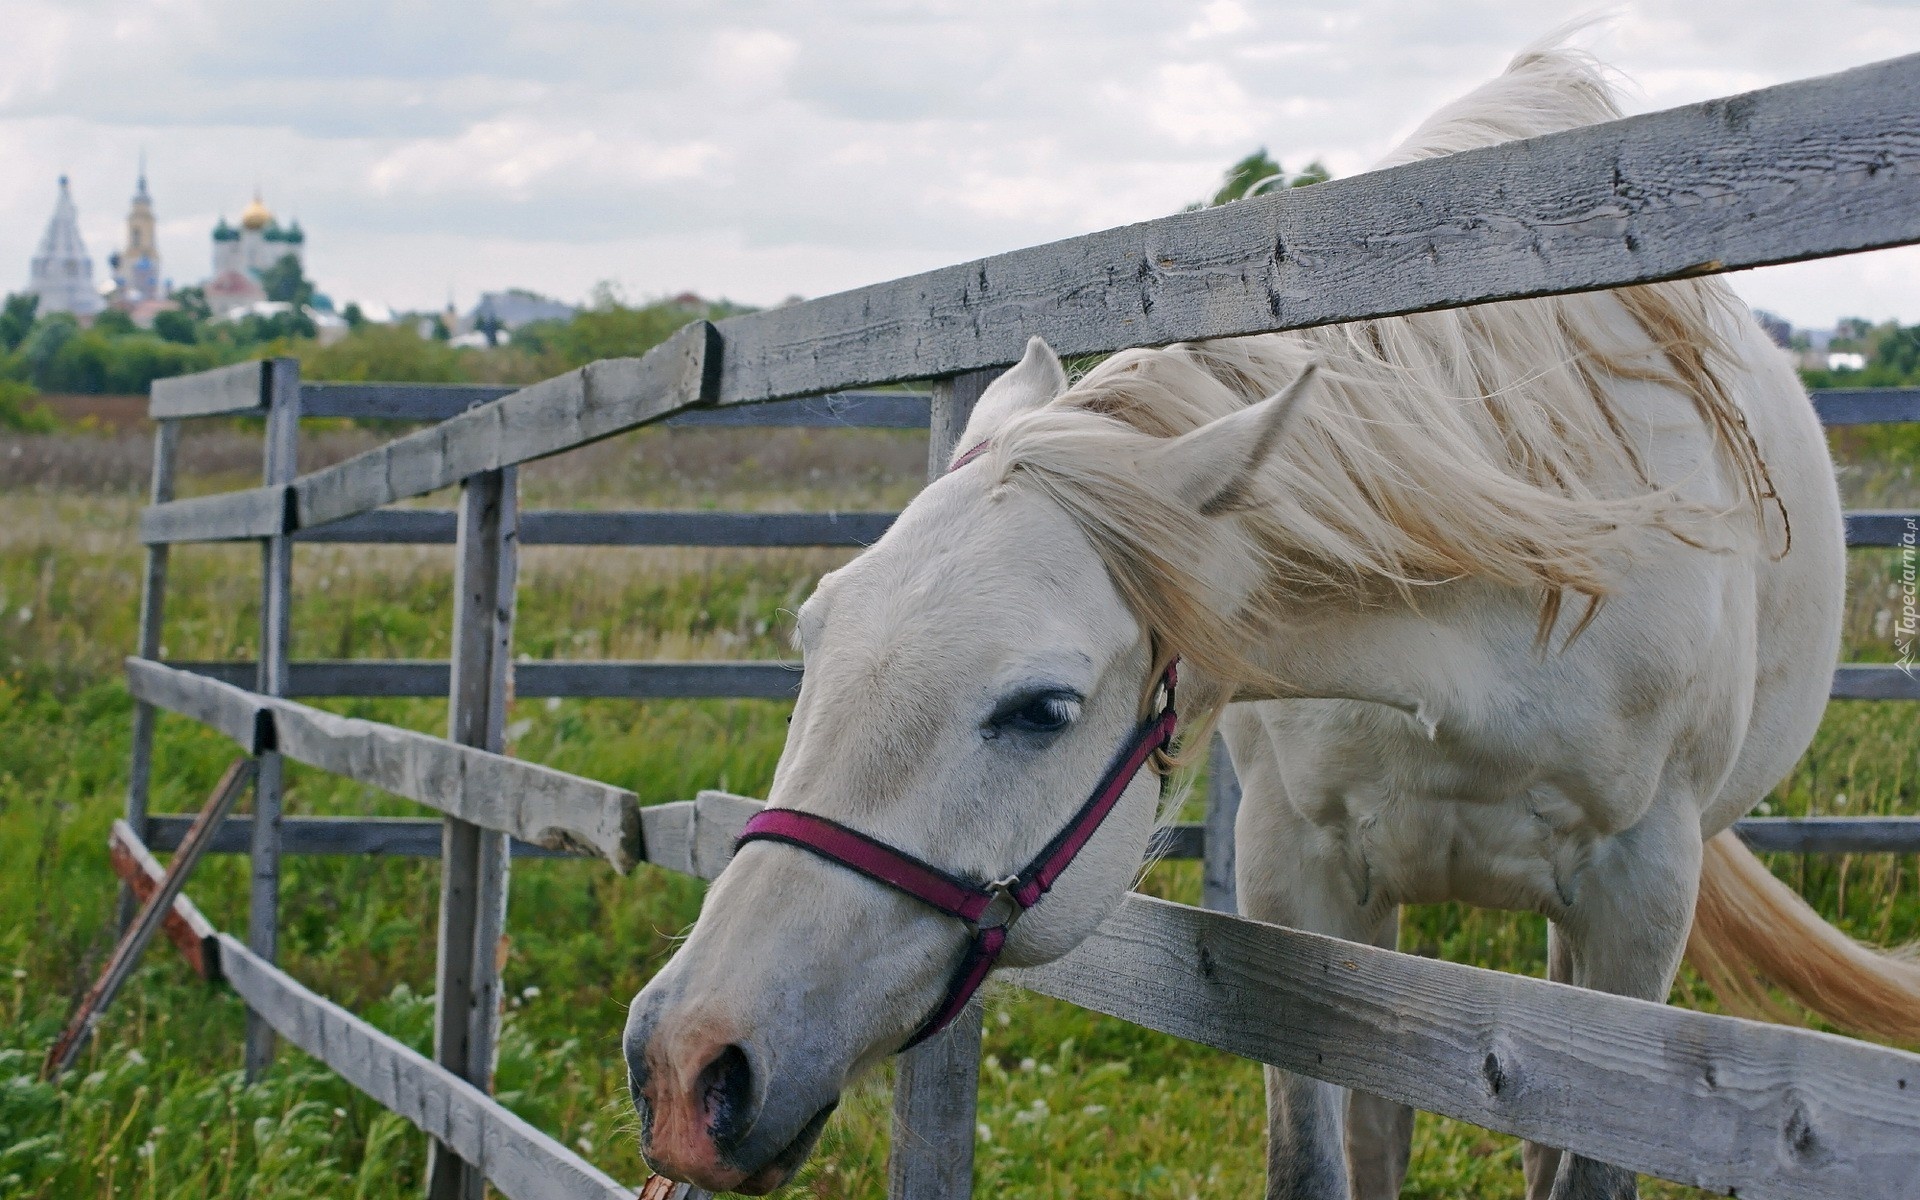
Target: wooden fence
(1819, 167)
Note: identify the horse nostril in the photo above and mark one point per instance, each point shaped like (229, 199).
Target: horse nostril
(725, 1092)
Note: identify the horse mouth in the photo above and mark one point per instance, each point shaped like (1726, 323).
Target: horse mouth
(782, 1166)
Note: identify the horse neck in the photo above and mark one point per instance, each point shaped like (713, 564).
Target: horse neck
(1428, 657)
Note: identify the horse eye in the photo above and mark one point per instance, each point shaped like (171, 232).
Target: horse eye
(1035, 712)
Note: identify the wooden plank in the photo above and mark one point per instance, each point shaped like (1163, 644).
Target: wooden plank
(474, 861)
(279, 465)
(443, 401)
(223, 391)
(396, 401)
(536, 804)
(1217, 886)
(400, 837)
(1882, 527)
(524, 800)
(666, 835)
(1855, 681)
(643, 680)
(153, 608)
(1728, 1105)
(585, 405)
(660, 680)
(1867, 406)
(1832, 835)
(746, 680)
(936, 1085)
(423, 526)
(669, 825)
(236, 712)
(1816, 167)
(184, 924)
(839, 410)
(153, 912)
(718, 817)
(223, 517)
(404, 526)
(518, 1159)
(704, 528)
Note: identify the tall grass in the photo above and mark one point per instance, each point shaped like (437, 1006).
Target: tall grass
(1071, 1104)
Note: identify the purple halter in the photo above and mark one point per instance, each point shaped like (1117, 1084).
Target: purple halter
(991, 908)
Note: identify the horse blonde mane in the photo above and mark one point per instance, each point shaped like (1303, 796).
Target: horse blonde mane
(1471, 443)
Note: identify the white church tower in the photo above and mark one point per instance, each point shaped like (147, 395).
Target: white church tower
(61, 273)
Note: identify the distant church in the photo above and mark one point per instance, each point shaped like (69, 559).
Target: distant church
(61, 274)
(242, 255)
(138, 287)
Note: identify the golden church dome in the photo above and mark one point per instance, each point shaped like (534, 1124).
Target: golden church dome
(256, 216)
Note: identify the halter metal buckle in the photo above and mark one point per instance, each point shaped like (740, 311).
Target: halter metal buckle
(1004, 909)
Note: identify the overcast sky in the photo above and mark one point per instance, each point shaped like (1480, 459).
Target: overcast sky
(758, 150)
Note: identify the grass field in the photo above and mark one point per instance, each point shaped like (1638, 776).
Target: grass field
(1071, 1104)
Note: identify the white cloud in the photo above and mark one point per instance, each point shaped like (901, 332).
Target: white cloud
(1220, 17)
(763, 148)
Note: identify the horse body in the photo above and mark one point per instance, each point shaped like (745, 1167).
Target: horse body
(1578, 783)
(1466, 761)
(1520, 605)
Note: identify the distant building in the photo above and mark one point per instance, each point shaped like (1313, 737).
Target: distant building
(1841, 360)
(61, 274)
(138, 287)
(509, 310)
(243, 253)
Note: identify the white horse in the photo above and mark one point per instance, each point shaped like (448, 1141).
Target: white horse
(1519, 605)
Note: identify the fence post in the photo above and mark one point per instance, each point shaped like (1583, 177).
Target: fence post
(1223, 805)
(474, 861)
(935, 1084)
(280, 386)
(153, 607)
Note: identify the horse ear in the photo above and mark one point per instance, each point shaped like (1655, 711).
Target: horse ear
(1033, 381)
(1212, 468)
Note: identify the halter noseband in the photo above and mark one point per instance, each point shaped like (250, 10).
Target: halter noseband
(990, 908)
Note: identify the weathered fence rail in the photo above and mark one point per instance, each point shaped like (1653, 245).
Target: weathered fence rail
(1819, 167)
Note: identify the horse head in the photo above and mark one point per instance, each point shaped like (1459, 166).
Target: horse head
(968, 680)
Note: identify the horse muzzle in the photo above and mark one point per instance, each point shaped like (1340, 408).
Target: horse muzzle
(712, 1113)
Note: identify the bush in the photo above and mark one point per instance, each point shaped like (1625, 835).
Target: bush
(98, 362)
(391, 353)
(19, 410)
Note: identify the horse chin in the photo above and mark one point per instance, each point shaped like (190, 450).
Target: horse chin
(781, 1168)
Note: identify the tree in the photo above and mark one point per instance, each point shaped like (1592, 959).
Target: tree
(1257, 174)
(16, 319)
(177, 325)
(193, 302)
(114, 323)
(286, 282)
(353, 315)
(50, 334)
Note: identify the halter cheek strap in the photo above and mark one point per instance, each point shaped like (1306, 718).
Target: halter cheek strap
(990, 908)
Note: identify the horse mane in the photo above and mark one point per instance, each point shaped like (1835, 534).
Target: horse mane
(1471, 443)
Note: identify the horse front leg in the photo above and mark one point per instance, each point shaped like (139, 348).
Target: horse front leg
(1624, 933)
(1323, 1143)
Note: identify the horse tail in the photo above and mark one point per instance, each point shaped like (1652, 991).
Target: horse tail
(1751, 930)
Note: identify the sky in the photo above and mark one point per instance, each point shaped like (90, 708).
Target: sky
(761, 150)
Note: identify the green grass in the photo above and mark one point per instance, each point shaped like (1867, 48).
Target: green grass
(1072, 1105)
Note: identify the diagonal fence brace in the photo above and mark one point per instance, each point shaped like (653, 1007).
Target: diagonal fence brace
(126, 955)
